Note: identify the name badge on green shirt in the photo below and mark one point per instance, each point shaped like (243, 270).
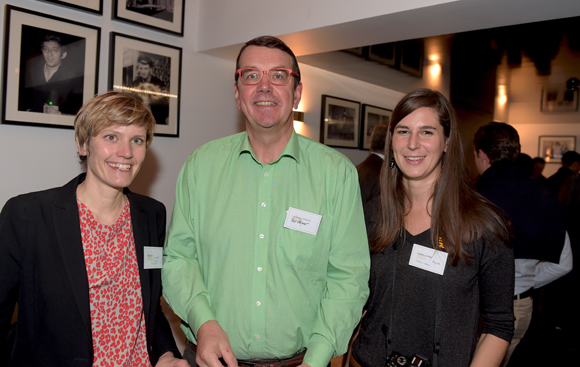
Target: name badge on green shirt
(302, 221)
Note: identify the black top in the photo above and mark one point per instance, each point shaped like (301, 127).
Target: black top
(403, 304)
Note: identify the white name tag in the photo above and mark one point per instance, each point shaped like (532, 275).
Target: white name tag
(429, 259)
(153, 258)
(302, 221)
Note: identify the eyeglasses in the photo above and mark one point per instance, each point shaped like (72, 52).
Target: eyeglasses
(276, 76)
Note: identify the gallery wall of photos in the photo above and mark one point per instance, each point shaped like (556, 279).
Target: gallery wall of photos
(344, 124)
(35, 42)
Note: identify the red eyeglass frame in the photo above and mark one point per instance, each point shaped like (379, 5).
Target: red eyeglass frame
(292, 72)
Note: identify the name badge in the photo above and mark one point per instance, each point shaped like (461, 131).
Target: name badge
(153, 258)
(302, 221)
(429, 259)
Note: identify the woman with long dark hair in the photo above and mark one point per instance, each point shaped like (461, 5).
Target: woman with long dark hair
(440, 256)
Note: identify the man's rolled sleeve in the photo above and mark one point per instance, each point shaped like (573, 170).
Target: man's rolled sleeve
(347, 273)
(183, 285)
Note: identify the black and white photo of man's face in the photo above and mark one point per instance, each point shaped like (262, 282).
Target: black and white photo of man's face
(143, 70)
(53, 53)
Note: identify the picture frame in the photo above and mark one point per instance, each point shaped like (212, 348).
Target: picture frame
(92, 6)
(371, 117)
(552, 147)
(557, 99)
(69, 48)
(152, 72)
(165, 15)
(384, 53)
(412, 55)
(339, 122)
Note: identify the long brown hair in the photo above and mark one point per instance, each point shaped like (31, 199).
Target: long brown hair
(459, 214)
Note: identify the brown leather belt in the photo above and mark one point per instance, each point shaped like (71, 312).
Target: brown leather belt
(294, 361)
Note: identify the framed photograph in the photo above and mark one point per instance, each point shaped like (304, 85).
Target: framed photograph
(93, 6)
(551, 148)
(340, 122)
(557, 98)
(372, 116)
(152, 72)
(50, 68)
(412, 57)
(384, 53)
(163, 15)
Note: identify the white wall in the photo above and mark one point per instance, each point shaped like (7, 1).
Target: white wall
(524, 97)
(34, 158)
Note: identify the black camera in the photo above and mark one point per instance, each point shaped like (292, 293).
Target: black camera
(396, 360)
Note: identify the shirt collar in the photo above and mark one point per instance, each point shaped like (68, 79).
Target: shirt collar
(291, 150)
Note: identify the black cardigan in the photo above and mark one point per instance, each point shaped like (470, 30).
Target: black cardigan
(42, 268)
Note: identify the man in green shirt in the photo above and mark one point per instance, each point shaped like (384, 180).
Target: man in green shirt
(266, 255)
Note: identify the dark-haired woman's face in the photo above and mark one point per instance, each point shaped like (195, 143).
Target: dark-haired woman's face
(418, 145)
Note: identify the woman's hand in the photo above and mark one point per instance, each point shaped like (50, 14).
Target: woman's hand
(489, 352)
(168, 360)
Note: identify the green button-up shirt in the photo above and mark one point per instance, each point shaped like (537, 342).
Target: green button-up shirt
(228, 257)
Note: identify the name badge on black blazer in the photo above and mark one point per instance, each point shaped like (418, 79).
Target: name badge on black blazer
(153, 258)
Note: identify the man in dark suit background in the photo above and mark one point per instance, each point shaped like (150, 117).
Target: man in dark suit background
(369, 171)
(570, 166)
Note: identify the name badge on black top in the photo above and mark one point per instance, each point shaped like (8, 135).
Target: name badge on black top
(429, 259)
(153, 258)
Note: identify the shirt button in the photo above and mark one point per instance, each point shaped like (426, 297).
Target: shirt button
(265, 174)
(259, 268)
(258, 303)
(263, 205)
(257, 336)
(261, 236)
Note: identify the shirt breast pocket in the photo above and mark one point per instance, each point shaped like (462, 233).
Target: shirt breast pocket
(305, 252)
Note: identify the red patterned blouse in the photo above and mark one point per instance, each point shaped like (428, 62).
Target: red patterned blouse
(117, 318)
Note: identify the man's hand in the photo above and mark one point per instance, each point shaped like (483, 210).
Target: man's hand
(212, 344)
(168, 360)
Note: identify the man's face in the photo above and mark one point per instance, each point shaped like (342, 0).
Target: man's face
(53, 53)
(266, 105)
(143, 70)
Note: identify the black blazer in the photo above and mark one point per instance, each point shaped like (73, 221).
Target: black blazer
(369, 173)
(42, 267)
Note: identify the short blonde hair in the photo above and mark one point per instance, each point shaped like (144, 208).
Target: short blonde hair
(111, 108)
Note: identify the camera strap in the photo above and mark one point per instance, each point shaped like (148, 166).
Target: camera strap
(437, 336)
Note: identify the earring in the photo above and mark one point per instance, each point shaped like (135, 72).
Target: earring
(392, 164)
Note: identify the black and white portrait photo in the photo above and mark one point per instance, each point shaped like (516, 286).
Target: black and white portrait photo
(340, 123)
(52, 71)
(372, 116)
(148, 77)
(164, 15)
(151, 71)
(160, 9)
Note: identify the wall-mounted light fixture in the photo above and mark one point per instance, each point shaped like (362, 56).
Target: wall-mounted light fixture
(502, 94)
(299, 122)
(299, 116)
